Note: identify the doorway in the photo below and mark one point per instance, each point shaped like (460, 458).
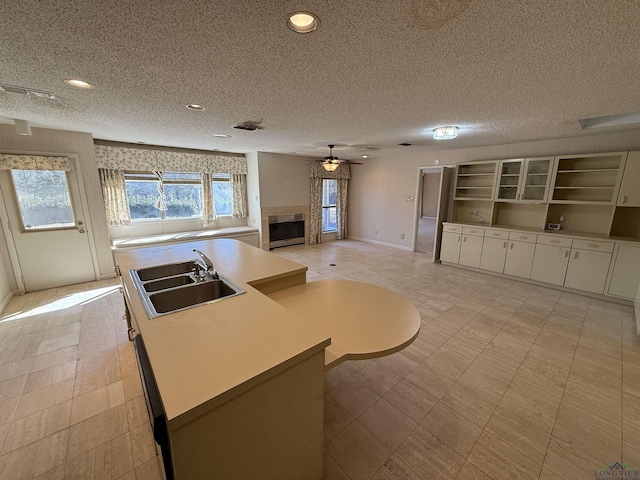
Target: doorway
(44, 225)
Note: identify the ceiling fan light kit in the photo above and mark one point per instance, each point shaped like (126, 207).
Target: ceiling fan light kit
(445, 133)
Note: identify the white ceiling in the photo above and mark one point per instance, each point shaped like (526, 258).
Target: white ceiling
(376, 73)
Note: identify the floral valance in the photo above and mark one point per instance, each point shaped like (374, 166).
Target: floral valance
(35, 162)
(123, 158)
(318, 171)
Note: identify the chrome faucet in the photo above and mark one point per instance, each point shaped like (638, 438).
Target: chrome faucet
(208, 264)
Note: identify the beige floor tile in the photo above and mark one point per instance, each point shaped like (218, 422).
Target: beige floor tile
(414, 402)
(398, 363)
(17, 354)
(358, 452)
(96, 430)
(547, 474)
(151, 470)
(536, 388)
(520, 434)
(387, 423)
(430, 380)
(332, 378)
(45, 397)
(631, 454)
(569, 463)
(495, 368)
(8, 410)
(16, 369)
(98, 360)
(92, 333)
(137, 412)
(331, 470)
(132, 386)
(36, 458)
(470, 472)
(96, 345)
(427, 456)
(61, 331)
(469, 404)
(501, 461)
(58, 343)
(354, 397)
(55, 474)
(143, 445)
(49, 376)
(97, 401)
(48, 360)
(38, 425)
(12, 388)
(452, 429)
(536, 412)
(108, 461)
(482, 383)
(98, 378)
(377, 378)
(336, 418)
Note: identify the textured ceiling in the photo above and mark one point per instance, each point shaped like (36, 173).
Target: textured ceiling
(375, 73)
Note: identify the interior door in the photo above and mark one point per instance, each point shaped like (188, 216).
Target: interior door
(45, 223)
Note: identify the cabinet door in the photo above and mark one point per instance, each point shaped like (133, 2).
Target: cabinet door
(536, 180)
(629, 192)
(450, 247)
(494, 251)
(509, 175)
(625, 275)
(519, 259)
(588, 270)
(471, 250)
(550, 264)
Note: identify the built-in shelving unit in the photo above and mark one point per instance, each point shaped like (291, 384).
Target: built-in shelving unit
(476, 181)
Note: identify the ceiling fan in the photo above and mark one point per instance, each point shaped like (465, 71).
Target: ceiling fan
(330, 163)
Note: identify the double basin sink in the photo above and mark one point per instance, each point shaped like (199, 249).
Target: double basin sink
(173, 287)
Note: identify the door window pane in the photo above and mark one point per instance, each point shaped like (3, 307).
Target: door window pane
(43, 199)
(329, 191)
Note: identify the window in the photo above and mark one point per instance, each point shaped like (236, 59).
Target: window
(181, 192)
(329, 189)
(222, 196)
(43, 199)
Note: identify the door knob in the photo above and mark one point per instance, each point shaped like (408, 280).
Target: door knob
(80, 231)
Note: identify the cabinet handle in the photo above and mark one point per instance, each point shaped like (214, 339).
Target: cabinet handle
(464, 239)
(458, 238)
(504, 245)
(575, 255)
(523, 238)
(594, 245)
(624, 199)
(511, 246)
(555, 241)
(566, 253)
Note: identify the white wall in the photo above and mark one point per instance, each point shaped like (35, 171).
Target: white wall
(378, 188)
(284, 180)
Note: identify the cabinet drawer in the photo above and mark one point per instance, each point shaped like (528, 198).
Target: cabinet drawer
(452, 228)
(473, 231)
(523, 237)
(556, 241)
(594, 245)
(496, 233)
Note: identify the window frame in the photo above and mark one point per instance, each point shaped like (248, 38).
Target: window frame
(328, 207)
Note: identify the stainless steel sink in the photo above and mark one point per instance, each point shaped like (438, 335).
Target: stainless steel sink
(170, 288)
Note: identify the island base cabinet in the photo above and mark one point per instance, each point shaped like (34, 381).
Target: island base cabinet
(587, 270)
(494, 252)
(550, 264)
(625, 275)
(519, 259)
(471, 250)
(450, 247)
(270, 432)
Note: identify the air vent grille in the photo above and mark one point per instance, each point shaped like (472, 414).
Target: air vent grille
(30, 92)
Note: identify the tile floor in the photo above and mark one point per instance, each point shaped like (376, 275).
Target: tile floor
(505, 381)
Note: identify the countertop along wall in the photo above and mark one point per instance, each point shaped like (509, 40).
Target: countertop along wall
(378, 189)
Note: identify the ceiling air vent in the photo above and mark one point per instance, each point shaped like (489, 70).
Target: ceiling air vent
(29, 92)
(250, 125)
(405, 144)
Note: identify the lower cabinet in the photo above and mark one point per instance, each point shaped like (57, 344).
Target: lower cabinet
(551, 259)
(450, 247)
(471, 250)
(520, 254)
(625, 272)
(588, 265)
(494, 252)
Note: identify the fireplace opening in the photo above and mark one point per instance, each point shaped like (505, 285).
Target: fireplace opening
(286, 230)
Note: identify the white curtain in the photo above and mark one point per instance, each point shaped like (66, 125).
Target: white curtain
(315, 222)
(341, 209)
(239, 193)
(161, 200)
(208, 205)
(114, 193)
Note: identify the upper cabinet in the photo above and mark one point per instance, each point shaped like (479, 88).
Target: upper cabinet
(629, 195)
(524, 180)
(476, 181)
(588, 179)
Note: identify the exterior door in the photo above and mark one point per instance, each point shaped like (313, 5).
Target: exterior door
(45, 223)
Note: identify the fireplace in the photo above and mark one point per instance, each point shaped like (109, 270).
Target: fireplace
(285, 230)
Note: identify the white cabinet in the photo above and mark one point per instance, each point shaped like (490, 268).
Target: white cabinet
(520, 252)
(471, 246)
(588, 265)
(475, 181)
(551, 259)
(524, 180)
(630, 188)
(494, 250)
(450, 246)
(625, 271)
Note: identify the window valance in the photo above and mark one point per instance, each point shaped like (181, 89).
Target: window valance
(123, 158)
(35, 162)
(343, 171)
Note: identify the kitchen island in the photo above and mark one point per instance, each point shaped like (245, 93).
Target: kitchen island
(241, 379)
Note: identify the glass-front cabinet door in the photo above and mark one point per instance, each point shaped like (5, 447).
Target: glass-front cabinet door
(536, 179)
(509, 180)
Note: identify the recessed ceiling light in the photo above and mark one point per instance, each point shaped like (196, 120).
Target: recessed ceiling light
(79, 83)
(302, 22)
(365, 156)
(445, 133)
(221, 135)
(195, 107)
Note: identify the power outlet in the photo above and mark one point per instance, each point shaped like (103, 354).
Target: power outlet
(376, 232)
(402, 236)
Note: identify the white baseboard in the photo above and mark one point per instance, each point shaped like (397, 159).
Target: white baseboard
(6, 301)
(384, 244)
